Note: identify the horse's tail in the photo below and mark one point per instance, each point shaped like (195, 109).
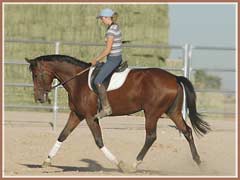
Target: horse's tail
(200, 127)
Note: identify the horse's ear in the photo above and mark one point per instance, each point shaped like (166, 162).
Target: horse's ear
(31, 62)
(28, 60)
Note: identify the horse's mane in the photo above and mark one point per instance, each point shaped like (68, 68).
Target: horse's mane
(62, 58)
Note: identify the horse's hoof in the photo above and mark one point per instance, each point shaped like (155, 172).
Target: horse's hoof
(198, 161)
(46, 163)
(125, 168)
(136, 164)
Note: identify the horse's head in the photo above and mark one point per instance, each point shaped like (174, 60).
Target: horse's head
(42, 80)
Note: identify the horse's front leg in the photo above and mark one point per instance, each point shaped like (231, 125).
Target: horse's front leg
(97, 134)
(71, 124)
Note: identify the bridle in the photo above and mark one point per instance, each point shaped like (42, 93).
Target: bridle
(42, 78)
(44, 71)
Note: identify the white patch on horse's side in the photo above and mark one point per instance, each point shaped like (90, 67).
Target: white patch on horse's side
(55, 149)
(117, 79)
(109, 155)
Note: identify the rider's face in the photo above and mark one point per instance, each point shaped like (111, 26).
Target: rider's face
(106, 20)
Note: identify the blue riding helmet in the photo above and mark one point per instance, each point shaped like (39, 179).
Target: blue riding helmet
(105, 13)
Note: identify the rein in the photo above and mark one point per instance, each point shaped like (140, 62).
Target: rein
(64, 82)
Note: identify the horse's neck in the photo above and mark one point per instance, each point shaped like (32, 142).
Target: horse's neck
(65, 71)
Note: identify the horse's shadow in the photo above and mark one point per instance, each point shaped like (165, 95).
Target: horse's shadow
(92, 166)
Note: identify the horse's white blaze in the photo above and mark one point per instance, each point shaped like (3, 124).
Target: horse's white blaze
(109, 155)
(55, 149)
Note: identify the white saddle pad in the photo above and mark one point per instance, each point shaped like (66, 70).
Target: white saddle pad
(116, 81)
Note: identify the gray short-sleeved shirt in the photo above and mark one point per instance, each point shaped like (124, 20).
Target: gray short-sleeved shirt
(115, 31)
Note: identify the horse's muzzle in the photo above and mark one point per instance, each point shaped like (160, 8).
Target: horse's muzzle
(44, 98)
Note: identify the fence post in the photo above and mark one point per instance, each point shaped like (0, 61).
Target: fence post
(187, 53)
(55, 103)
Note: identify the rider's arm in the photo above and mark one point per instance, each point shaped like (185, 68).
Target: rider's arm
(105, 52)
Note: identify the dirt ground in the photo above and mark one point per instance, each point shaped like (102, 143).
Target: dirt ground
(28, 137)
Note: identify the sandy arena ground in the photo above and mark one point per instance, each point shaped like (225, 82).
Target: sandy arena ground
(28, 137)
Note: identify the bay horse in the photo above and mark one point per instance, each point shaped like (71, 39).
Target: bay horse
(153, 90)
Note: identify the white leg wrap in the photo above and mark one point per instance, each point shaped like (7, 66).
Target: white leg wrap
(109, 155)
(55, 149)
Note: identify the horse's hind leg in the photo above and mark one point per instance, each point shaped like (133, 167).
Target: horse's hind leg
(189, 137)
(151, 136)
(187, 131)
(175, 114)
(71, 124)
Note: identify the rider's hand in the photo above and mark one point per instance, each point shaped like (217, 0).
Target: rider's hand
(94, 62)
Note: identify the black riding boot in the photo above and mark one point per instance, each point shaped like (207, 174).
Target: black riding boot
(106, 108)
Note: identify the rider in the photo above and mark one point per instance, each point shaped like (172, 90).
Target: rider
(113, 51)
